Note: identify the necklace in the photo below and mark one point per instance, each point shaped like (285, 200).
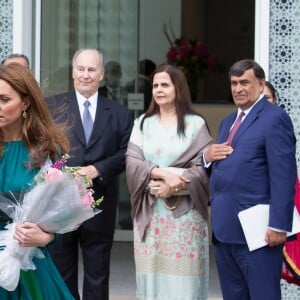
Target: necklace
(174, 206)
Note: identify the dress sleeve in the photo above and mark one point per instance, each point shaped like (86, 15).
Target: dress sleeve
(136, 134)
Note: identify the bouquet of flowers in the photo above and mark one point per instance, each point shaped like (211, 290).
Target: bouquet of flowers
(59, 202)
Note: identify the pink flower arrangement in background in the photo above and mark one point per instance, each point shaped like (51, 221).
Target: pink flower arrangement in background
(193, 57)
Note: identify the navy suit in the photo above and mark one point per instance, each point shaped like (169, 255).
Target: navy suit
(261, 170)
(105, 150)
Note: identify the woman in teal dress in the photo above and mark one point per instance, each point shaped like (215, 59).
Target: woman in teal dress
(28, 136)
(169, 193)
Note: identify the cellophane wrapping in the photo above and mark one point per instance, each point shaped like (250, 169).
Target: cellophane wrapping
(57, 206)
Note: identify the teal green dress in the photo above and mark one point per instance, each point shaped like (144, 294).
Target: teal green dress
(44, 283)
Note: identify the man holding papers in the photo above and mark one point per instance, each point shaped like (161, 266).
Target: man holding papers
(253, 164)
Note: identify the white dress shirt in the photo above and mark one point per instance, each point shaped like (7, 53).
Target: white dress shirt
(92, 108)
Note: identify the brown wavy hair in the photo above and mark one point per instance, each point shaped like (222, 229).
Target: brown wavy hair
(183, 102)
(42, 136)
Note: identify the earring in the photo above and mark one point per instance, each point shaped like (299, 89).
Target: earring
(25, 114)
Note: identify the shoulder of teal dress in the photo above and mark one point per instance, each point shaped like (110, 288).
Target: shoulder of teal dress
(16, 174)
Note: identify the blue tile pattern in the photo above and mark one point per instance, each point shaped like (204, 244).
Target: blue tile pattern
(6, 25)
(285, 57)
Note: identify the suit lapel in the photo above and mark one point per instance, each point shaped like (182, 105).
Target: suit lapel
(226, 127)
(76, 121)
(101, 118)
(251, 117)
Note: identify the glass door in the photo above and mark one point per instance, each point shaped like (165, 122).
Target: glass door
(130, 35)
(67, 25)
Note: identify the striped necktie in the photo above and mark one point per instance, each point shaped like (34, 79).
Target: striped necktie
(235, 127)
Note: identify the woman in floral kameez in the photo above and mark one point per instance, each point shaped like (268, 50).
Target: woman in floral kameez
(169, 193)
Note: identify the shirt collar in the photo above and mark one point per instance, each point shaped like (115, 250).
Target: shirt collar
(246, 111)
(81, 99)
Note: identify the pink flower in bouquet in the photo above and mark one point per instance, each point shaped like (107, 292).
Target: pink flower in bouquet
(88, 198)
(84, 184)
(53, 174)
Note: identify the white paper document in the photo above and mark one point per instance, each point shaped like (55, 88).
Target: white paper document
(255, 220)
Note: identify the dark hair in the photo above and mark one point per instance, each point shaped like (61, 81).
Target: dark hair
(16, 55)
(42, 136)
(183, 102)
(239, 68)
(146, 67)
(273, 91)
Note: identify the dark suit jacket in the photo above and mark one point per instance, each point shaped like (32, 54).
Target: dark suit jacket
(105, 150)
(261, 169)
(103, 91)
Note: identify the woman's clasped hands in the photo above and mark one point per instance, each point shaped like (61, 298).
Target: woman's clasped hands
(169, 184)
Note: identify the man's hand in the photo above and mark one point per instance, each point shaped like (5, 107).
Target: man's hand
(88, 171)
(275, 238)
(217, 152)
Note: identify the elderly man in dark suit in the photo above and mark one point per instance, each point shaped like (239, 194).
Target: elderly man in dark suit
(256, 165)
(99, 133)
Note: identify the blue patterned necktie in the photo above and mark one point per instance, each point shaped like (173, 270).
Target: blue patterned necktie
(87, 121)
